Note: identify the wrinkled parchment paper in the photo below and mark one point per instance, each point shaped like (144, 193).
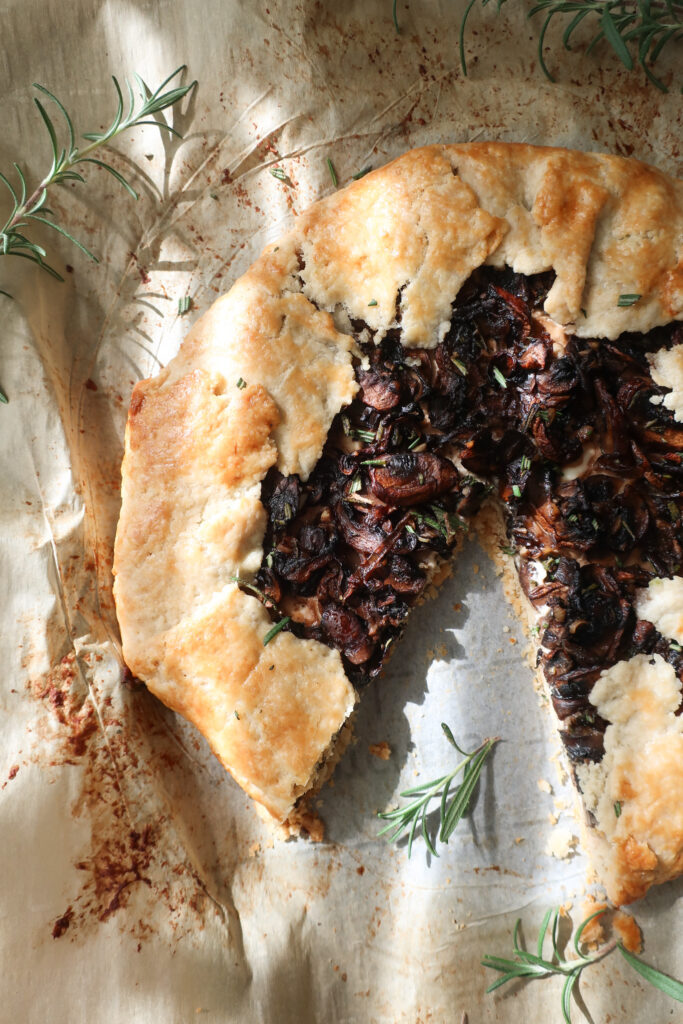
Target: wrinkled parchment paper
(137, 882)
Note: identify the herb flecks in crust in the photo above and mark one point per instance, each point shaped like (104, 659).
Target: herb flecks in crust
(587, 467)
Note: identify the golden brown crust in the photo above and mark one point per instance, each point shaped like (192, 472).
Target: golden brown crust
(393, 249)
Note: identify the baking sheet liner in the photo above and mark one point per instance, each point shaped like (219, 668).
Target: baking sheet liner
(138, 883)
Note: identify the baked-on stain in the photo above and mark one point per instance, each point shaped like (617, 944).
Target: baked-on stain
(62, 923)
(95, 732)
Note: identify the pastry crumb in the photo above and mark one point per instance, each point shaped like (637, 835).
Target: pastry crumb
(381, 750)
(311, 824)
(561, 843)
(628, 931)
(544, 786)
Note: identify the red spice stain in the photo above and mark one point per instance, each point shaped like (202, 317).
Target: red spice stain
(91, 385)
(71, 707)
(62, 923)
(130, 851)
(226, 177)
(13, 772)
(142, 271)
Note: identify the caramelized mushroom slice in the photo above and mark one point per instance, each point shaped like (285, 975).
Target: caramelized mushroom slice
(410, 479)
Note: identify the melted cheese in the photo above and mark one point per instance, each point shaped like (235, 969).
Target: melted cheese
(667, 370)
(635, 791)
(662, 605)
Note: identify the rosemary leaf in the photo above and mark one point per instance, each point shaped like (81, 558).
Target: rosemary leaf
(613, 37)
(184, 305)
(662, 981)
(628, 299)
(275, 630)
(333, 173)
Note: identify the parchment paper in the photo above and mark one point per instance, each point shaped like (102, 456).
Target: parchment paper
(137, 882)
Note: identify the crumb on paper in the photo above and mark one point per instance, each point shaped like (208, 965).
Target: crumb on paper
(628, 931)
(457, 607)
(312, 825)
(254, 849)
(519, 839)
(557, 758)
(565, 908)
(381, 750)
(553, 819)
(544, 786)
(561, 843)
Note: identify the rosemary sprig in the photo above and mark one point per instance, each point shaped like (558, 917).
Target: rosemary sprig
(27, 210)
(637, 30)
(406, 819)
(647, 25)
(534, 965)
(30, 209)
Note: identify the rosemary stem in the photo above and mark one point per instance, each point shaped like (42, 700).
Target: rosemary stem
(37, 194)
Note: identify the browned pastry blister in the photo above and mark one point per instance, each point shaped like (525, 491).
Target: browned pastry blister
(449, 326)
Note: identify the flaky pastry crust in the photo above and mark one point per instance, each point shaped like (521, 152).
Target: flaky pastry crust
(393, 250)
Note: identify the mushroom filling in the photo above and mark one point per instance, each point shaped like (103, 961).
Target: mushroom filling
(589, 472)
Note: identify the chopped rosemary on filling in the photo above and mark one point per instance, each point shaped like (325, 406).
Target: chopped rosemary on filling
(409, 462)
